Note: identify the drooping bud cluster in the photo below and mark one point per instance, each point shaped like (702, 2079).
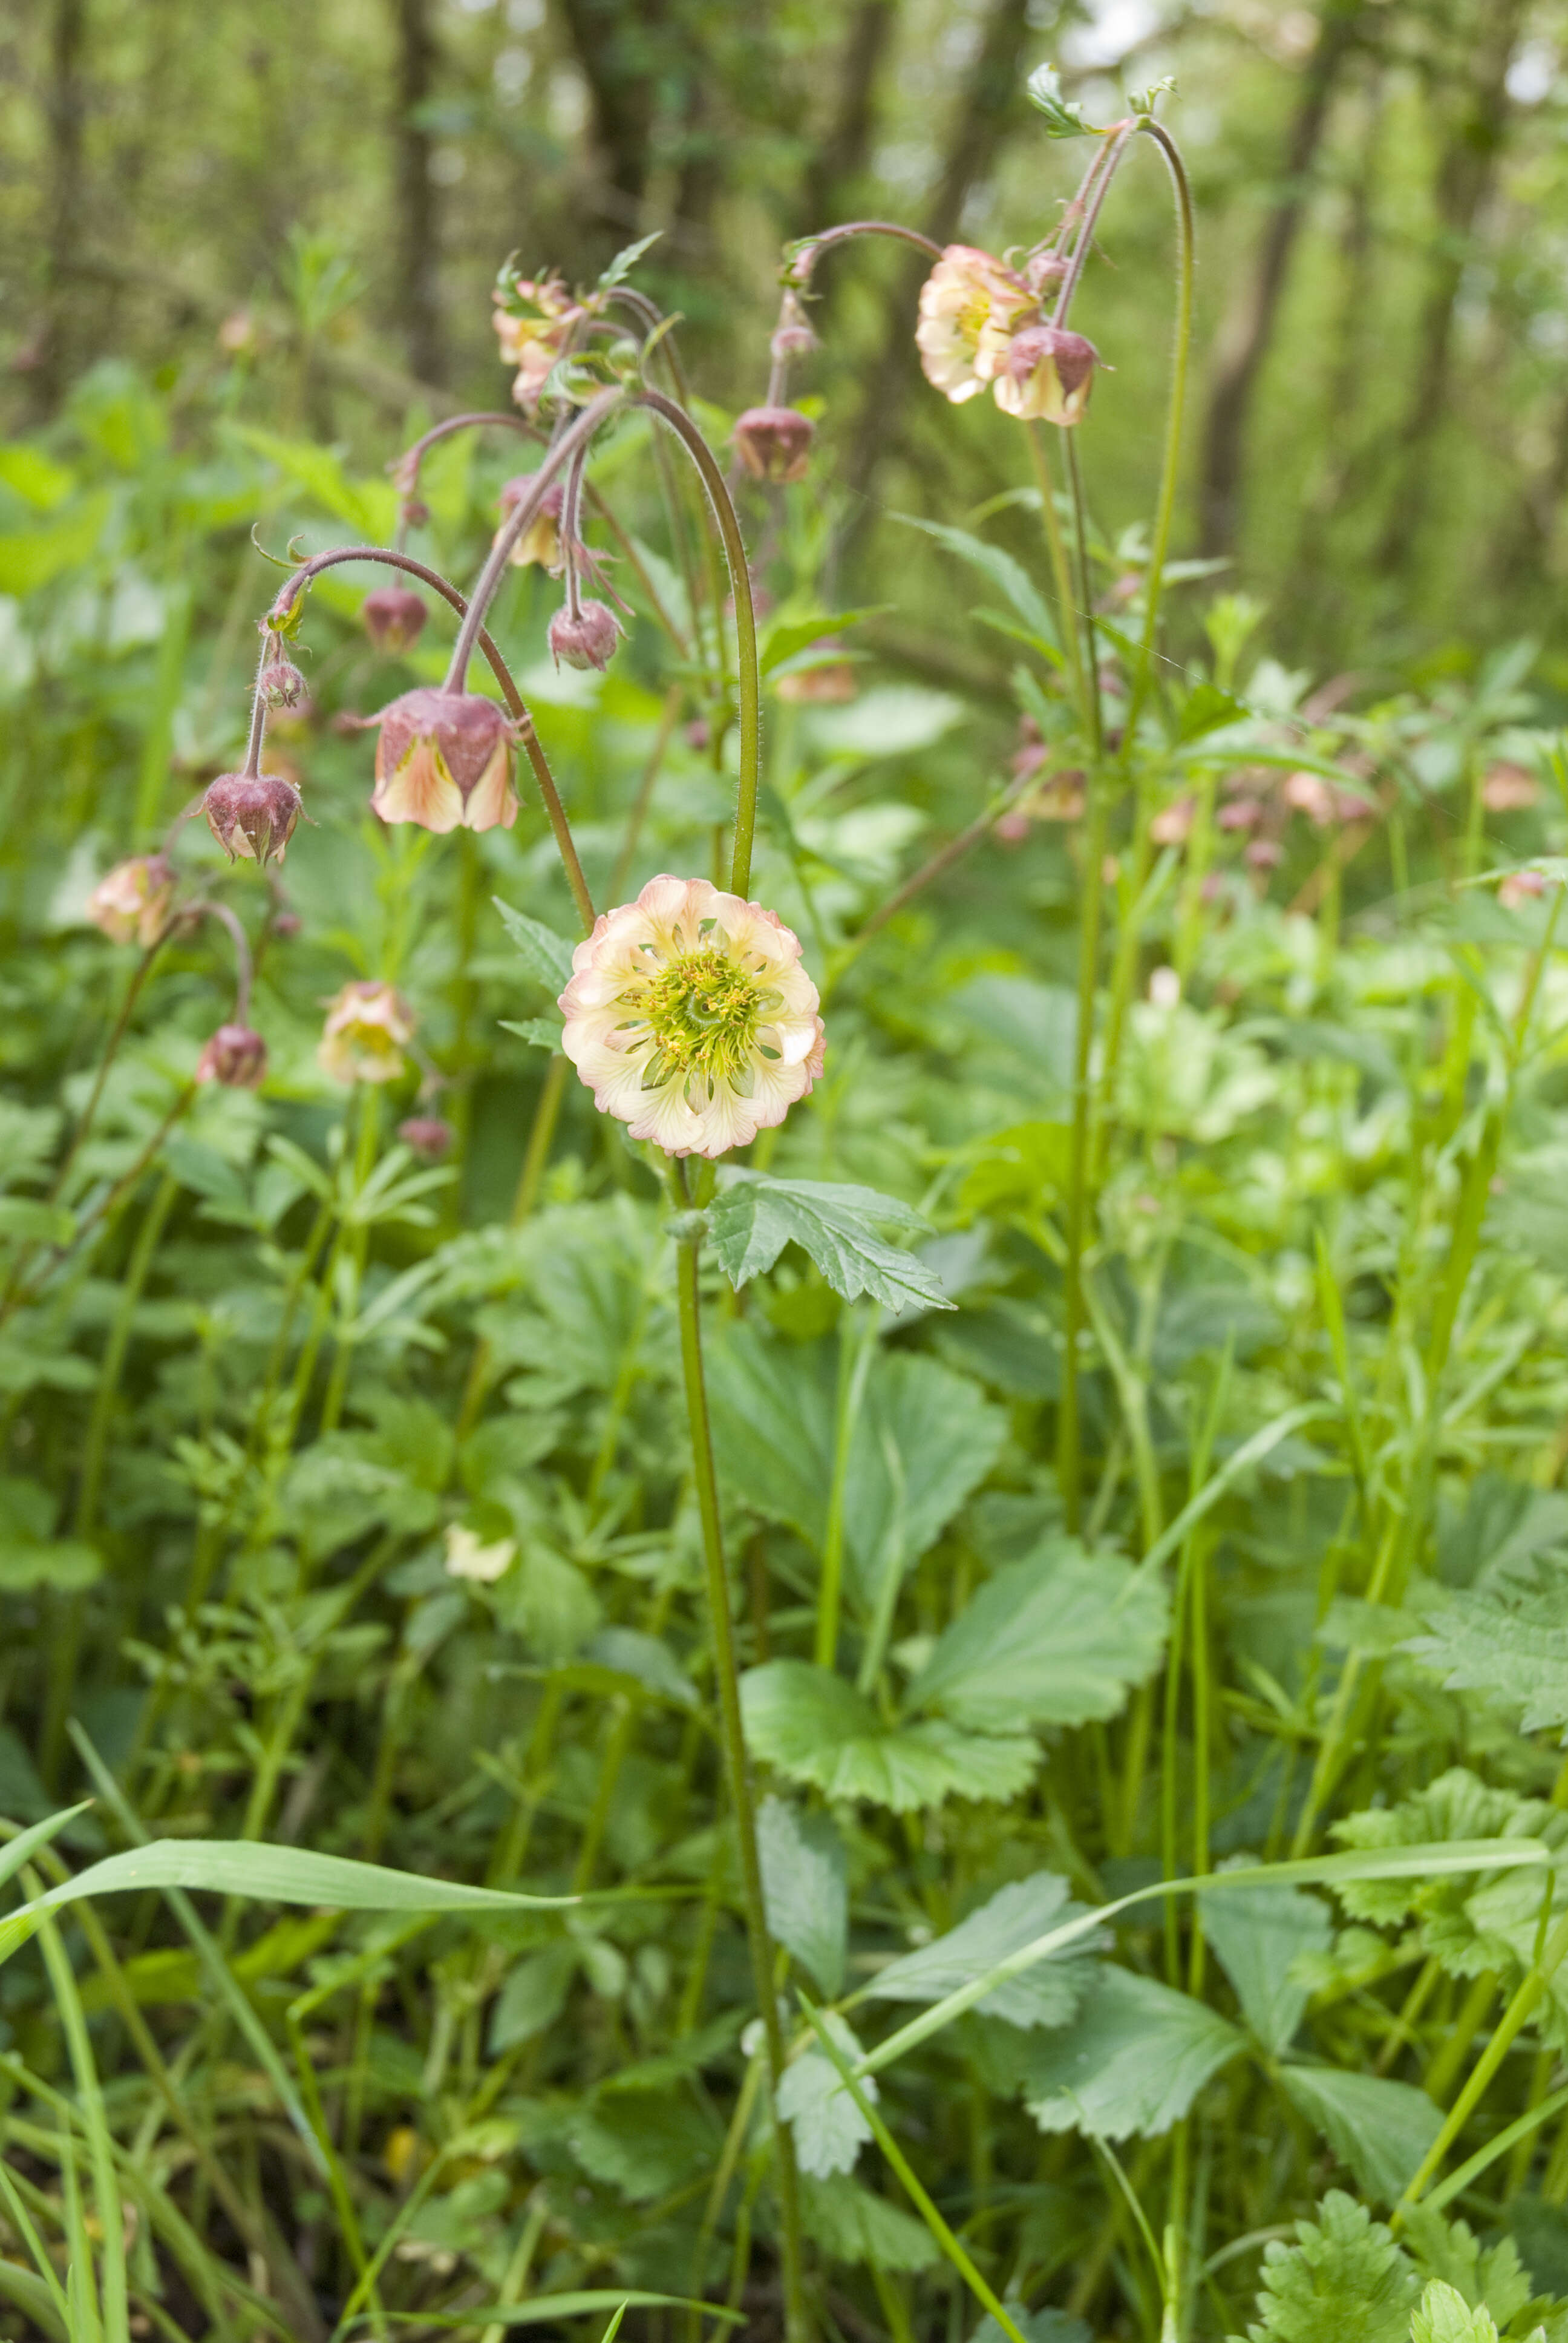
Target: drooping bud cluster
(131, 903)
(444, 759)
(540, 543)
(792, 337)
(368, 1025)
(535, 320)
(252, 815)
(585, 637)
(394, 619)
(281, 685)
(774, 443)
(235, 1057)
(982, 323)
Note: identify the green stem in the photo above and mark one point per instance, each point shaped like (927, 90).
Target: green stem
(1165, 505)
(855, 1345)
(749, 679)
(1056, 546)
(732, 1732)
(541, 1135)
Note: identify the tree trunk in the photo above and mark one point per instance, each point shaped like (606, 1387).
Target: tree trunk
(841, 160)
(418, 302)
(1466, 171)
(616, 44)
(55, 351)
(990, 93)
(1247, 333)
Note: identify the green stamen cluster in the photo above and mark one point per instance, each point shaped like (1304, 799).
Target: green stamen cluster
(703, 1010)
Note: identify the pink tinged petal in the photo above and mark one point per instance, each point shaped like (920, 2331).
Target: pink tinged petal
(419, 788)
(668, 1120)
(492, 803)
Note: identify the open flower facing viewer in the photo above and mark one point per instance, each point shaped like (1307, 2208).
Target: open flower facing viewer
(690, 1018)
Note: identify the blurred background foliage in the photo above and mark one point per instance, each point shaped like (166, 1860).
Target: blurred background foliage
(292, 211)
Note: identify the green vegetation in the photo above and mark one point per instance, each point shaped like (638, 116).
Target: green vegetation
(944, 1717)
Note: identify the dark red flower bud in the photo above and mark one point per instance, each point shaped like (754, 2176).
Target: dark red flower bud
(774, 443)
(282, 685)
(1263, 854)
(286, 925)
(235, 1057)
(252, 814)
(1046, 375)
(394, 618)
(589, 640)
(444, 759)
(1241, 813)
(415, 513)
(792, 337)
(428, 1135)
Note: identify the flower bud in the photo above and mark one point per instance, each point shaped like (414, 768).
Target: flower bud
(1264, 854)
(362, 1040)
(1521, 887)
(1044, 374)
(774, 443)
(415, 513)
(1241, 813)
(1043, 268)
(444, 759)
(286, 925)
(1172, 824)
(427, 1135)
(282, 685)
(792, 337)
(131, 903)
(541, 542)
(586, 639)
(394, 619)
(235, 1057)
(1012, 828)
(252, 815)
(1507, 789)
(1308, 793)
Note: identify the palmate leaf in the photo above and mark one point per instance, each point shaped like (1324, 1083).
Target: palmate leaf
(1508, 1638)
(1381, 2129)
(271, 1874)
(1134, 2061)
(1047, 1996)
(754, 1217)
(815, 1729)
(1055, 1639)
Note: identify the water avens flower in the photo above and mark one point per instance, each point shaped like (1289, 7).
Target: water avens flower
(541, 542)
(235, 1057)
(367, 1027)
(535, 320)
(131, 903)
(252, 815)
(1042, 373)
(585, 637)
(774, 443)
(690, 1018)
(969, 305)
(394, 618)
(444, 759)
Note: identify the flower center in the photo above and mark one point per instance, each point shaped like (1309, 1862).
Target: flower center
(703, 1010)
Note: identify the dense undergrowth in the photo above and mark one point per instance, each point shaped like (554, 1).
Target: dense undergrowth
(349, 1509)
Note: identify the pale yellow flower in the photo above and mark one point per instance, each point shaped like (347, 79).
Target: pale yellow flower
(367, 1027)
(690, 1018)
(469, 1556)
(969, 305)
(131, 903)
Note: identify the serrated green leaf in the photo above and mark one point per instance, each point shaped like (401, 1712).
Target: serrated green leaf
(1380, 2128)
(1442, 2315)
(1055, 1639)
(1063, 117)
(817, 1729)
(545, 954)
(1047, 1996)
(848, 2224)
(1134, 2061)
(754, 1217)
(1508, 1639)
(829, 2128)
(543, 1032)
(1345, 2281)
(1256, 1935)
(805, 1883)
(999, 569)
(626, 260)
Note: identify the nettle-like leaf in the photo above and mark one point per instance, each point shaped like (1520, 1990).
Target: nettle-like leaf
(829, 2128)
(819, 1730)
(1063, 117)
(1047, 1995)
(1442, 2315)
(545, 955)
(1258, 1934)
(1345, 2281)
(650, 2143)
(1508, 1639)
(804, 1887)
(848, 2224)
(924, 1438)
(754, 1217)
(1058, 1638)
(1134, 2061)
(1381, 2129)
(1450, 2250)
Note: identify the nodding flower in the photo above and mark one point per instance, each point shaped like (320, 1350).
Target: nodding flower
(368, 1025)
(541, 542)
(444, 759)
(585, 637)
(394, 618)
(690, 1018)
(535, 320)
(1044, 374)
(235, 1057)
(982, 323)
(774, 443)
(252, 815)
(131, 903)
